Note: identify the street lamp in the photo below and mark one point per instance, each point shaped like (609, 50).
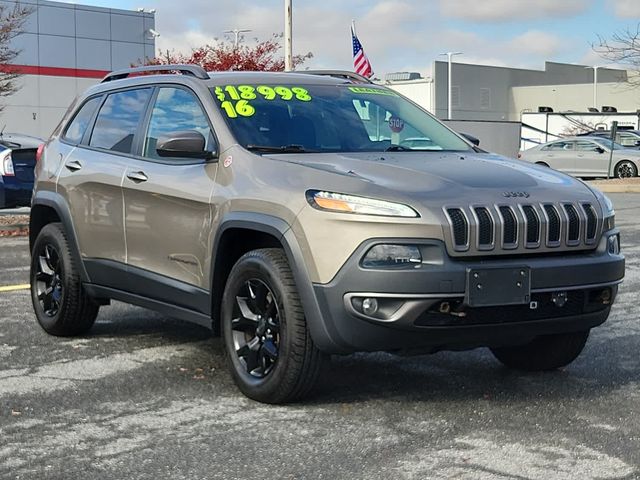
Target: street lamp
(237, 33)
(449, 102)
(595, 85)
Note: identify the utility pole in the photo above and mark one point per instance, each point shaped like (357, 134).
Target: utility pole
(288, 32)
(449, 96)
(236, 32)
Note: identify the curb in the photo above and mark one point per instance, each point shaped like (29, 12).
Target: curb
(616, 188)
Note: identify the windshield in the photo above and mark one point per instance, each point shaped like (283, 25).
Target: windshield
(608, 143)
(330, 118)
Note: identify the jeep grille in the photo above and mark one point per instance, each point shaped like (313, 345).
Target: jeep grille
(547, 226)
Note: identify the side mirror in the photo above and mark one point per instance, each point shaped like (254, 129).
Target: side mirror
(183, 144)
(472, 139)
(599, 149)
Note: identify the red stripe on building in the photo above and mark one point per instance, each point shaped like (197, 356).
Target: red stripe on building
(53, 71)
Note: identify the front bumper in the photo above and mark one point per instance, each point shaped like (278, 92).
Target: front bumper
(424, 308)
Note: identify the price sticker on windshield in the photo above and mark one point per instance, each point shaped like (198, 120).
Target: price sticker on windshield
(236, 100)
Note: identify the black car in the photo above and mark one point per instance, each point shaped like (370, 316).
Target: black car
(17, 161)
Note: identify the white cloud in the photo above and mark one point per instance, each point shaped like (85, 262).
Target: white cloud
(540, 43)
(512, 10)
(626, 8)
(397, 35)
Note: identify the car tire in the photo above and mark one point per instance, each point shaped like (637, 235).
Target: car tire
(269, 350)
(625, 169)
(61, 305)
(547, 352)
(542, 164)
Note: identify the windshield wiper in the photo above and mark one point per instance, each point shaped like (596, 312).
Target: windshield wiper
(279, 149)
(398, 148)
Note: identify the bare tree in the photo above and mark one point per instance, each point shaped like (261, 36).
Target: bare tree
(623, 48)
(12, 20)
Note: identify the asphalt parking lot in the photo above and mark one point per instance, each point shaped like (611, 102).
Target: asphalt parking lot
(145, 396)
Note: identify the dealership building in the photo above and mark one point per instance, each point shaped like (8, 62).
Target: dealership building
(65, 48)
(494, 93)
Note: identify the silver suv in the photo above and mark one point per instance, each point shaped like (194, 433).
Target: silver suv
(305, 215)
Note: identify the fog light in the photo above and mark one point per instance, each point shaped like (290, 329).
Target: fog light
(369, 306)
(614, 244)
(392, 256)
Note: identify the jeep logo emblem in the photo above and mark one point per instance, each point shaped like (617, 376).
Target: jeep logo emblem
(515, 194)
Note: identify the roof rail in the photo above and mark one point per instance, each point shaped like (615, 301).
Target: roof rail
(192, 70)
(354, 77)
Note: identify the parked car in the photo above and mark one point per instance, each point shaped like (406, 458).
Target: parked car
(585, 157)
(260, 205)
(17, 161)
(626, 138)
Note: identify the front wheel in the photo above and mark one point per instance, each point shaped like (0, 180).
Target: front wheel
(547, 352)
(269, 350)
(626, 169)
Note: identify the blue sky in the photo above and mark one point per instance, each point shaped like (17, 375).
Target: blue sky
(404, 34)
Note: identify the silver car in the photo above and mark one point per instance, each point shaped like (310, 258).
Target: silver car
(585, 157)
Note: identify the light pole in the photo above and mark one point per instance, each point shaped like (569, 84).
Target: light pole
(288, 32)
(236, 33)
(595, 85)
(449, 102)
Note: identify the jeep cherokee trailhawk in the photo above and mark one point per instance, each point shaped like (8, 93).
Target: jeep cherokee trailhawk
(302, 215)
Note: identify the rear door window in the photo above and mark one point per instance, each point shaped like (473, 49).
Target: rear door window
(118, 120)
(77, 127)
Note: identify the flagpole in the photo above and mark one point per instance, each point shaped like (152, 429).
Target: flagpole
(288, 47)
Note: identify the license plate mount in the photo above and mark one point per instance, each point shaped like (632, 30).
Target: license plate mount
(490, 287)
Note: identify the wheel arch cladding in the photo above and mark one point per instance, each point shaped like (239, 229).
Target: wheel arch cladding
(240, 232)
(48, 207)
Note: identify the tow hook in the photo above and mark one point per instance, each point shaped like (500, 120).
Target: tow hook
(445, 307)
(559, 299)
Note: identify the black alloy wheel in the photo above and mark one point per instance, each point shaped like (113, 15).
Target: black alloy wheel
(61, 304)
(256, 328)
(48, 279)
(270, 353)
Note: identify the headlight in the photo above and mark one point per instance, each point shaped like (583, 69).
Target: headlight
(340, 202)
(392, 256)
(608, 211)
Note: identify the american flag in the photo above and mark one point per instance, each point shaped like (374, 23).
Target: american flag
(360, 61)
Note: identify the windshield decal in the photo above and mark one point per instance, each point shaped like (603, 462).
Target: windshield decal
(235, 99)
(373, 91)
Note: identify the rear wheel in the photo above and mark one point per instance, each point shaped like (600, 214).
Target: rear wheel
(61, 305)
(626, 169)
(269, 350)
(547, 352)
(542, 164)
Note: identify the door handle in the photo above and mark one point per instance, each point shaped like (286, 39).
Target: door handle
(137, 177)
(73, 165)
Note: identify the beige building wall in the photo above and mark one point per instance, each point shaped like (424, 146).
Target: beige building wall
(576, 98)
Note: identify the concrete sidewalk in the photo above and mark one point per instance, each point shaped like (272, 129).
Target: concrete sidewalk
(617, 185)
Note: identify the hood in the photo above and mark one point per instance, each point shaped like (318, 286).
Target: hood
(444, 177)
